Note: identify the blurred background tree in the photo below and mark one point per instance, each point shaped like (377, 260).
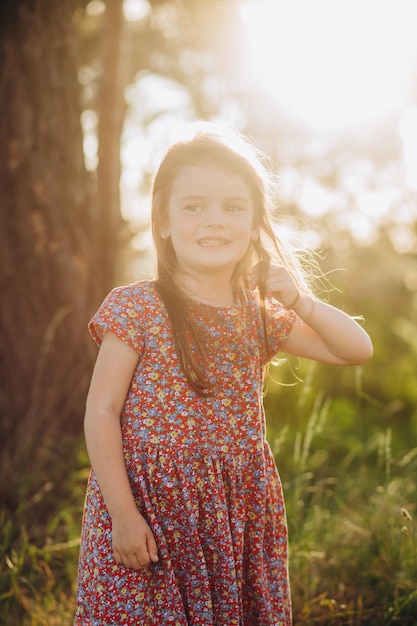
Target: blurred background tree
(91, 93)
(47, 239)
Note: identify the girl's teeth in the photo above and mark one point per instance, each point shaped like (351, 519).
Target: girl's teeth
(212, 243)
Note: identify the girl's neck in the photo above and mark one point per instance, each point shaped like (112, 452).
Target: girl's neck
(210, 291)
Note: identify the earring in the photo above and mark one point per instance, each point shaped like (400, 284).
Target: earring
(164, 234)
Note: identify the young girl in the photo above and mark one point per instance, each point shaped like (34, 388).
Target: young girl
(184, 520)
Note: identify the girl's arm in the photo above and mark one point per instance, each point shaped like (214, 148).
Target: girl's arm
(324, 333)
(321, 332)
(133, 542)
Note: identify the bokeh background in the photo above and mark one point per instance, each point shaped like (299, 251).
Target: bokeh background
(91, 93)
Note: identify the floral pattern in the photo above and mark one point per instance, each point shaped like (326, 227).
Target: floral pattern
(201, 472)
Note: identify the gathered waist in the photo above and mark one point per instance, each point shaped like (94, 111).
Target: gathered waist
(197, 450)
(229, 438)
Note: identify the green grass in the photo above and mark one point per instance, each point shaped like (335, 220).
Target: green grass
(39, 543)
(351, 505)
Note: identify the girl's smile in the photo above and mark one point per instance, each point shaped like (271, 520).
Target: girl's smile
(210, 220)
(212, 242)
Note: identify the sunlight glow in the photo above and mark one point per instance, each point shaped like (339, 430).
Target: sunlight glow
(408, 134)
(135, 10)
(95, 7)
(333, 64)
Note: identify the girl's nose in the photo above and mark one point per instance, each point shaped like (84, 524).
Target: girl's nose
(215, 218)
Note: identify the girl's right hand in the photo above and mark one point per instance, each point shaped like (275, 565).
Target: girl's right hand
(133, 542)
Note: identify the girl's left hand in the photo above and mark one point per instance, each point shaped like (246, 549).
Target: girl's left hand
(321, 331)
(276, 281)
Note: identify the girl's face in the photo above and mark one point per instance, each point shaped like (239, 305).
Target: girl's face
(210, 219)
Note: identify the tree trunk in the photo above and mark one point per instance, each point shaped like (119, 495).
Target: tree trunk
(111, 116)
(48, 252)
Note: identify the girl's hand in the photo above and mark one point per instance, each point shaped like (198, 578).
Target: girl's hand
(134, 545)
(320, 332)
(276, 281)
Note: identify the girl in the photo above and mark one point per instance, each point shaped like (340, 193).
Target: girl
(184, 520)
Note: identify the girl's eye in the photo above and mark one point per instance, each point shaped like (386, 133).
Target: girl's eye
(234, 209)
(194, 208)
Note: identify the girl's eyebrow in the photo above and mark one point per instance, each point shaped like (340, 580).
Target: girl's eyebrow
(193, 197)
(237, 199)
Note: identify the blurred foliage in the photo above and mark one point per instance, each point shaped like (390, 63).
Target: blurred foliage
(39, 543)
(351, 503)
(186, 41)
(345, 444)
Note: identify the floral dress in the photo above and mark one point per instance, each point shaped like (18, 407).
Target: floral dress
(201, 472)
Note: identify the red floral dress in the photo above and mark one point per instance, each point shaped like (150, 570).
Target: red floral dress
(201, 472)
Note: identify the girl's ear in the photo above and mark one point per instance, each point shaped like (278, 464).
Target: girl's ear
(255, 234)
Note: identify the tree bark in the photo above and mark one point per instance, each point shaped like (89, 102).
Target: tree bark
(110, 108)
(47, 244)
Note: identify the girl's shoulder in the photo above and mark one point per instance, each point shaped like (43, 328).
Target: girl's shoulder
(137, 300)
(129, 311)
(251, 302)
(140, 292)
(248, 298)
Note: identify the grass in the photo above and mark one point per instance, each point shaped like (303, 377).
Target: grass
(39, 543)
(351, 502)
(351, 506)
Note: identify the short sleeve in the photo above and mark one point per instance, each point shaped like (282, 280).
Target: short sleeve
(279, 323)
(122, 314)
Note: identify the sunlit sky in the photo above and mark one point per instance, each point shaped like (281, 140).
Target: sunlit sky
(333, 63)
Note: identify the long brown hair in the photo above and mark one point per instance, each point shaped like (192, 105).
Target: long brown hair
(237, 155)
